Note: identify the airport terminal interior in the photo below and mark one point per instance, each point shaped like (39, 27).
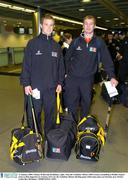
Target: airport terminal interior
(18, 24)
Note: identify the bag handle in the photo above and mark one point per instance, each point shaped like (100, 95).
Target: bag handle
(107, 123)
(59, 108)
(39, 143)
(33, 115)
(24, 117)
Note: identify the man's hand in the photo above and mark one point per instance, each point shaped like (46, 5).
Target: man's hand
(28, 90)
(59, 88)
(114, 82)
(118, 56)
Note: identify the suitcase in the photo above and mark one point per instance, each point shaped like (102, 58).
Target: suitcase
(26, 144)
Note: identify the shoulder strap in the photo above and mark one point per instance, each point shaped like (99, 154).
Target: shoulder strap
(24, 117)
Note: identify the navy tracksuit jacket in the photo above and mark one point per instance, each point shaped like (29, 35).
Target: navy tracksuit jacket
(81, 65)
(123, 63)
(43, 68)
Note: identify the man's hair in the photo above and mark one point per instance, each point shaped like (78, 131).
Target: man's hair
(89, 17)
(67, 36)
(48, 16)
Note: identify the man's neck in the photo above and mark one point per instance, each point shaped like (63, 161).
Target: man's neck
(46, 34)
(90, 35)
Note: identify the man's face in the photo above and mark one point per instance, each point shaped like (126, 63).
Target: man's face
(88, 26)
(110, 36)
(47, 26)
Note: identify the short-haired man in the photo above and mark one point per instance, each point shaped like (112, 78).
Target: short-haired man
(43, 72)
(81, 65)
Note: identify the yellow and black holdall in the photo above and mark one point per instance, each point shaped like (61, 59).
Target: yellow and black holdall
(26, 144)
(90, 137)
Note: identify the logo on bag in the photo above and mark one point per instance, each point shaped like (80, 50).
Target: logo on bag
(90, 128)
(31, 151)
(85, 157)
(88, 147)
(55, 150)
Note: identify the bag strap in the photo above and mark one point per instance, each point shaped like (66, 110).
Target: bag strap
(101, 135)
(107, 122)
(59, 108)
(24, 117)
(83, 120)
(33, 115)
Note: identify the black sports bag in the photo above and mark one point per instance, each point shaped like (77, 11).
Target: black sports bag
(26, 144)
(61, 140)
(88, 146)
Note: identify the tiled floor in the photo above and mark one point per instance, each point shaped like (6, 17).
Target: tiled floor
(113, 156)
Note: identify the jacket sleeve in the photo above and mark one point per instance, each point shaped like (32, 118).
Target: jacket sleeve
(68, 56)
(107, 60)
(25, 77)
(61, 69)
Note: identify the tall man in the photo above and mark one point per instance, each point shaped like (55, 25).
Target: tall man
(81, 65)
(43, 73)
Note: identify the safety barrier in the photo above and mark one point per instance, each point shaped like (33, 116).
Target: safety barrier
(11, 56)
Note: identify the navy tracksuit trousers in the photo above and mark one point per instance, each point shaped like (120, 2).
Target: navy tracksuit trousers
(47, 102)
(78, 93)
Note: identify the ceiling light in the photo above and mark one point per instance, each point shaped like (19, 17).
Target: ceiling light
(86, 1)
(75, 22)
(81, 9)
(116, 19)
(18, 8)
(98, 27)
(107, 20)
(66, 20)
(29, 10)
(122, 23)
(4, 5)
(98, 17)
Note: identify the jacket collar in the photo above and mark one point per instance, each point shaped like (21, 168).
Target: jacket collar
(83, 36)
(44, 36)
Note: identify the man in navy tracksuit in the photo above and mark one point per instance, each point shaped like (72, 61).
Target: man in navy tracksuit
(81, 65)
(123, 60)
(43, 73)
